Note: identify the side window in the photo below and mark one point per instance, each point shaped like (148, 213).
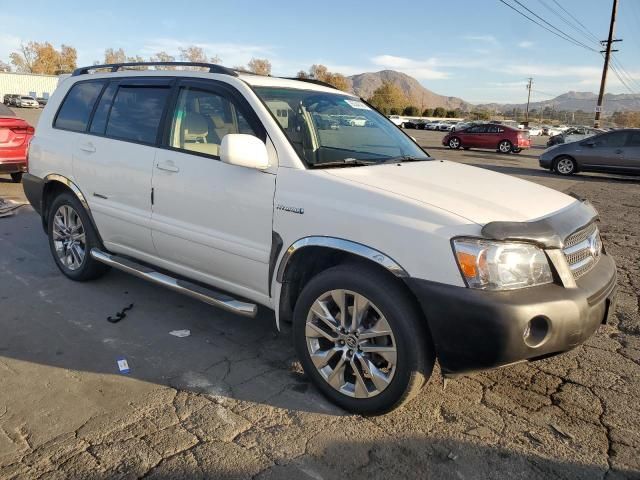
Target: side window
(492, 129)
(634, 139)
(202, 119)
(77, 106)
(99, 121)
(136, 113)
(612, 140)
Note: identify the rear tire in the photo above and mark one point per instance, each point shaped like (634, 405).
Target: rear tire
(505, 146)
(71, 238)
(16, 177)
(516, 150)
(369, 375)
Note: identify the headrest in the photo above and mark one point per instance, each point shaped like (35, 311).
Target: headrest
(218, 121)
(195, 125)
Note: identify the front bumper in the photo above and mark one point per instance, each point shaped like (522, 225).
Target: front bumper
(479, 329)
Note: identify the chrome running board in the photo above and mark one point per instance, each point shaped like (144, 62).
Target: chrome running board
(206, 295)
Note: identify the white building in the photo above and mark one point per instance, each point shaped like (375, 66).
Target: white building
(31, 84)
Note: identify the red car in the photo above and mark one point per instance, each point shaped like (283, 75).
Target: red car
(492, 136)
(15, 135)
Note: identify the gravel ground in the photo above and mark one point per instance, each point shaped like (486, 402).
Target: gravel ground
(229, 401)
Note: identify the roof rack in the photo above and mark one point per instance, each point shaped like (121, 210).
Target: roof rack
(313, 80)
(114, 67)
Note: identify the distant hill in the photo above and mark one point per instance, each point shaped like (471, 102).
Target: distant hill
(573, 101)
(364, 85)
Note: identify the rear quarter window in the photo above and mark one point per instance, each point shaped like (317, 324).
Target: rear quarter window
(77, 106)
(136, 113)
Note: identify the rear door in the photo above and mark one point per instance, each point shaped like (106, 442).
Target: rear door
(115, 159)
(604, 152)
(631, 160)
(472, 136)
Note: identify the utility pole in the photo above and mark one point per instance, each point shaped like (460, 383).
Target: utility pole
(526, 122)
(607, 51)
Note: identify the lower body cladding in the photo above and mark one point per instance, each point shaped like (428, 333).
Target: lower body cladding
(480, 329)
(11, 166)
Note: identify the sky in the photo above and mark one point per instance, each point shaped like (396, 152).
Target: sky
(479, 50)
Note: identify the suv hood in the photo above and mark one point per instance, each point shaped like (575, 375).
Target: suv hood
(476, 194)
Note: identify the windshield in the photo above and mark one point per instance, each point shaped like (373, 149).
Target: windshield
(329, 129)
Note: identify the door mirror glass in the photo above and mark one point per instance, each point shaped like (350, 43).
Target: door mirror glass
(244, 150)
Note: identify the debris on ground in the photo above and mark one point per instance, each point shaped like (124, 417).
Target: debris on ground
(123, 365)
(119, 315)
(180, 333)
(8, 208)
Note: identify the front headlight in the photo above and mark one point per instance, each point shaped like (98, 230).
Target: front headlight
(491, 265)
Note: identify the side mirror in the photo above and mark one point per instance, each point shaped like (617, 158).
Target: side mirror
(244, 150)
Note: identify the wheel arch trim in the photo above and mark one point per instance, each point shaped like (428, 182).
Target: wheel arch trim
(340, 244)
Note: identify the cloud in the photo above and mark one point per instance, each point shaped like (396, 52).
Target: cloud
(482, 38)
(526, 44)
(8, 44)
(560, 70)
(420, 69)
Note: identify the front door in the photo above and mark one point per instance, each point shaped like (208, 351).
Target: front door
(212, 220)
(603, 152)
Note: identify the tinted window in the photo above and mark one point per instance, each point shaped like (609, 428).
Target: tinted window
(477, 129)
(612, 140)
(136, 113)
(634, 139)
(493, 129)
(77, 106)
(202, 119)
(101, 114)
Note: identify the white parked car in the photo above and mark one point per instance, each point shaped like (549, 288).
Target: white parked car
(534, 131)
(397, 120)
(221, 186)
(27, 102)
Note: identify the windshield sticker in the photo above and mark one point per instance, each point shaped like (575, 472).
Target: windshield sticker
(357, 104)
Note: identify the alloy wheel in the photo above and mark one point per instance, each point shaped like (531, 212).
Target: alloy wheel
(69, 237)
(351, 344)
(505, 146)
(454, 143)
(564, 166)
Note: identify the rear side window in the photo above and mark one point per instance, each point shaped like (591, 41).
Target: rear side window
(136, 113)
(634, 139)
(77, 106)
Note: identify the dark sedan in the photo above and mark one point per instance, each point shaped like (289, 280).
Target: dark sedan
(617, 152)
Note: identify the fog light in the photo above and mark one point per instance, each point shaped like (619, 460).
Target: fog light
(536, 332)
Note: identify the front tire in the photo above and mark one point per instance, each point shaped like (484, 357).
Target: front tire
(505, 146)
(16, 177)
(565, 166)
(361, 339)
(454, 143)
(71, 238)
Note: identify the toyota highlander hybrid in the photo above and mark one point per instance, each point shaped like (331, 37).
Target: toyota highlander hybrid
(235, 189)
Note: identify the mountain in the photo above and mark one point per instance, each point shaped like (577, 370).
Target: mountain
(364, 85)
(573, 101)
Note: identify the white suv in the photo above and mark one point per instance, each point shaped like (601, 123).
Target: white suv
(235, 189)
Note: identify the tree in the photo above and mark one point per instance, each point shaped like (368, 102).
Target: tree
(411, 111)
(114, 56)
(388, 96)
(195, 54)
(43, 58)
(4, 67)
(439, 112)
(427, 112)
(162, 57)
(393, 111)
(261, 66)
(626, 119)
(302, 74)
(451, 114)
(321, 73)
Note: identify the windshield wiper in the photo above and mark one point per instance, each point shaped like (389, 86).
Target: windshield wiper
(405, 158)
(346, 162)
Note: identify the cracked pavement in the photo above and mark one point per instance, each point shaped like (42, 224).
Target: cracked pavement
(230, 401)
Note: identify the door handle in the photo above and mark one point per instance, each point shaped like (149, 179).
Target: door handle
(88, 147)
(167, 167)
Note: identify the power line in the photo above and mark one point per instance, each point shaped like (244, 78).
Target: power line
(624, 72)
(557, 32)
(586, 34)
(595, 38)
(615, 71)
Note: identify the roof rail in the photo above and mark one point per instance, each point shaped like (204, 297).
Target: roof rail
(313, 80)
(114, 67)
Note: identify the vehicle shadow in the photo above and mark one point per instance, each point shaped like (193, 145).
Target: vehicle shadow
(332, 454)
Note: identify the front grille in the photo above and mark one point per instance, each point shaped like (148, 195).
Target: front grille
(582, 250)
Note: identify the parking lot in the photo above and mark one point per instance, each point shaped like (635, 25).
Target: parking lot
(230, 401)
